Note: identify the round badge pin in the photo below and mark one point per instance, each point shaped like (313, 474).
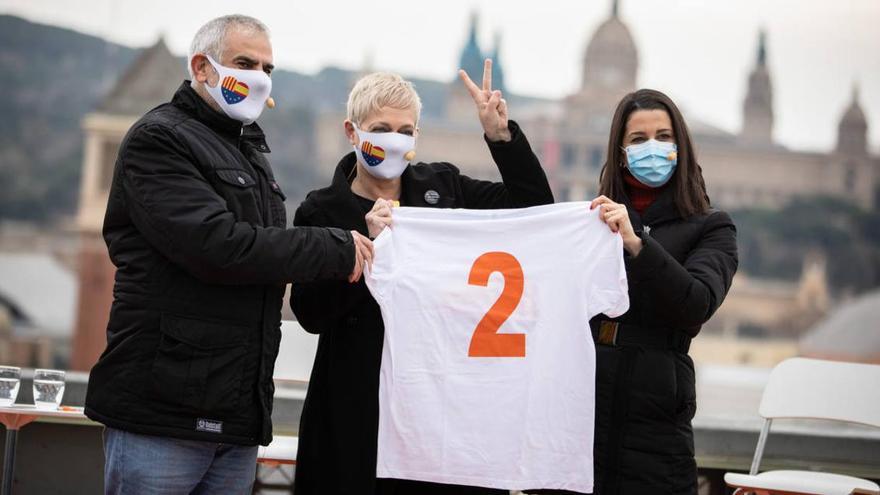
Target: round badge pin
(432, 197)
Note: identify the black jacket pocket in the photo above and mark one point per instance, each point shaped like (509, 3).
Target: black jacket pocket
(242, 195)
(199, 365)
(237, 178)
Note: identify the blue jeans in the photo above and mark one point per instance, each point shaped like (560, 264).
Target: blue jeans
(152, 465)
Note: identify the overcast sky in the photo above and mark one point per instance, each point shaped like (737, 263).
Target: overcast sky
(698, 51)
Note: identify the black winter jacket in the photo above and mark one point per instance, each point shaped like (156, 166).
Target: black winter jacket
(195, 225)
(339, 424)
(645, 387)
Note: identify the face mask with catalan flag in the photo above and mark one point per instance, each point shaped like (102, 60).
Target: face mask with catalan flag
(241, 94)
(383, 154)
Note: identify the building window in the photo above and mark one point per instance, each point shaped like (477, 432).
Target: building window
(849, 180)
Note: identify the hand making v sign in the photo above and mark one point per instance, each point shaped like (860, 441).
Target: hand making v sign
(491, 106)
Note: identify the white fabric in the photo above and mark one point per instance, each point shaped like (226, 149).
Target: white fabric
(802, 482)
(501, 422)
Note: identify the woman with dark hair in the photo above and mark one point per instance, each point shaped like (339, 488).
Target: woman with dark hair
(680, 257)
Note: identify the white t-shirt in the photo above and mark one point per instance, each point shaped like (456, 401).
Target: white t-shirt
(509, 407)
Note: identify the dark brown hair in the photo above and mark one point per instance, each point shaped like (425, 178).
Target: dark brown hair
(689, 190)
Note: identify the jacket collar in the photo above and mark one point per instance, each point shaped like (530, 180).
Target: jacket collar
(663, 209)
(190, 102)
(340, 184)
(412, 185)
(340, 191)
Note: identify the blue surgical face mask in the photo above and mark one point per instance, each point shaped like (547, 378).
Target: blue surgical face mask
(653, 162)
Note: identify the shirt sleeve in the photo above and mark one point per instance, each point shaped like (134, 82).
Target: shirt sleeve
(609, 294)
(608, 288)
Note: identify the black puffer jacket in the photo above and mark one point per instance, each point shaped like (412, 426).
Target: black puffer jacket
(645, 388)
(195, 225)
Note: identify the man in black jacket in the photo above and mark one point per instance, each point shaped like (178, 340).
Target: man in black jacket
(195, 225)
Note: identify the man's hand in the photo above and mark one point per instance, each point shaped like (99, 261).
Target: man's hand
(363, 255)
(379, 217)
(491, 107)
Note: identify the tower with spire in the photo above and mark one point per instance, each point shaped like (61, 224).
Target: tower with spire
(460, 106)
(471, 59)
(497, 69)
(852, 131)
(611, 60)
(610, 66)
(757, 127)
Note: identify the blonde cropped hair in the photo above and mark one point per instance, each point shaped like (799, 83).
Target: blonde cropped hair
(382, 89)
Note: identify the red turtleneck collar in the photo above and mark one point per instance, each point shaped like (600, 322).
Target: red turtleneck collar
(640, 195)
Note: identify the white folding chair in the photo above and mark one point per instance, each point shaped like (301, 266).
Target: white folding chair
(296, 355)
(802, 388)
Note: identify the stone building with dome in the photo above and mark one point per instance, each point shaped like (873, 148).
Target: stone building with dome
(851, 333)
(744, 169)
(569, 135)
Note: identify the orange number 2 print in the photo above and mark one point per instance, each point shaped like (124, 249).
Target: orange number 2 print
(486, 341)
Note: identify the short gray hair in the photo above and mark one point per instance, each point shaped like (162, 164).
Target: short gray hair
(210, 38)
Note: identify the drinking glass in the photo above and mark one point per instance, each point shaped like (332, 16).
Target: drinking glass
(10, 379)
(48, 388)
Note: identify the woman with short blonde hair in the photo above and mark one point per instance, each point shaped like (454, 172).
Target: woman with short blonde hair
(339, 425)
